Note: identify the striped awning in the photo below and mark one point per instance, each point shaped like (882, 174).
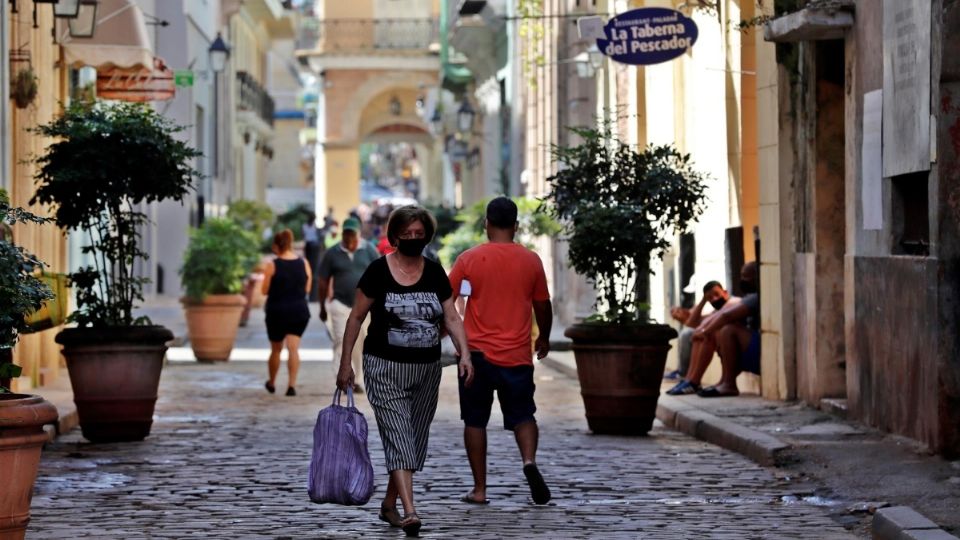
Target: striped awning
(120, 39)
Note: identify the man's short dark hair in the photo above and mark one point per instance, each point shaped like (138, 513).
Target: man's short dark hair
(502, 213)
(711, 285)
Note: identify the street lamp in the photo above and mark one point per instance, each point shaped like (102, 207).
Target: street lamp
(395, 106)
(596, 56)
(218, 53)
(465, 116)
(85, 23)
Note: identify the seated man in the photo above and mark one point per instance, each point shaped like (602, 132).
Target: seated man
(737, 336)
(718, 298)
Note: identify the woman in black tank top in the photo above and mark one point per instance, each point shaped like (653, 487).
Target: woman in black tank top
(286, 283)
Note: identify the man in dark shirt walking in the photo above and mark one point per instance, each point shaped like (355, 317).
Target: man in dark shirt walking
(344, 263)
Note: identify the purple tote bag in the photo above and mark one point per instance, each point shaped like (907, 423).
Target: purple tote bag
(340, 469)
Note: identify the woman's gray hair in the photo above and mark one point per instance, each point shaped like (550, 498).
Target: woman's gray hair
(402, 217)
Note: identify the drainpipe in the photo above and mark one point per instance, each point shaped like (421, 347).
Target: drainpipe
(5, 162)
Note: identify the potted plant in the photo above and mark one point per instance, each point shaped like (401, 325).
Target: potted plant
(253, 216)
(218, 259)
(23, 88)
(106, 163)
(22, 416)
(618, 208)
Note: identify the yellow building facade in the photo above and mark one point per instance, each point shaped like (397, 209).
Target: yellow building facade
(375, 60)
(32, 47)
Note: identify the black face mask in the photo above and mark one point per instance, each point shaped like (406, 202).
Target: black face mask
(748, 287)
(411, 247)
(717, 304)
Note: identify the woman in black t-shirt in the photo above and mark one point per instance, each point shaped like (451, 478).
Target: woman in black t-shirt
(410, 301)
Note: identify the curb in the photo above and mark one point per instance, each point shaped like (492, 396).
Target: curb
(904, 523)
(759, 446)
(569, 371)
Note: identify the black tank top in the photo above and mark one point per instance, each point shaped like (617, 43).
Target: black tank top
(288, 284)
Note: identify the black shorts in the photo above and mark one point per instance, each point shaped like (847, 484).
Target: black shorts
(514, 387)
(283, 324)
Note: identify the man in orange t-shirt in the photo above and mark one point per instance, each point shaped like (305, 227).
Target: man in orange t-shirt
(502, 282)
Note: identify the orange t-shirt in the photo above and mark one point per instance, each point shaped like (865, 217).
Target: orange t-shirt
(505, 280)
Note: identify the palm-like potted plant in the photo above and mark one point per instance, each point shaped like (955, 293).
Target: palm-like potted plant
(620, 207)
(22, 417)
(107, 162)
(219, 257)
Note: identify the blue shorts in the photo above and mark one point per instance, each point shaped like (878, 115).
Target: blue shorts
(750, 358)
(514, 387)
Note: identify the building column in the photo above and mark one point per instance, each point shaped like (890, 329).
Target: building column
(339, 178)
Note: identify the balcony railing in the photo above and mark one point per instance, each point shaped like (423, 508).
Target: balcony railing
(369, 36)
(254, 98)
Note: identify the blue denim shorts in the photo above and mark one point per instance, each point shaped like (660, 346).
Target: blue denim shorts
(514, 387)
(750, 358)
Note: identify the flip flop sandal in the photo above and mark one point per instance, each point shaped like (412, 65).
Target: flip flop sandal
(470, 500)
(538, 488)
(390, 515)
(411, 525)
(713, 392)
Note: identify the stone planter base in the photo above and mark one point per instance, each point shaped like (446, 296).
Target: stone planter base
(115, 373)
(22, 419)
(620, 370)
(213, 324)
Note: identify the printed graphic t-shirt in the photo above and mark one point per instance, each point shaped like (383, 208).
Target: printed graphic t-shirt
(505, 279)
(405, 321)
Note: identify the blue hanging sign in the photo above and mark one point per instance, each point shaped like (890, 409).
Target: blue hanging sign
(648, 36)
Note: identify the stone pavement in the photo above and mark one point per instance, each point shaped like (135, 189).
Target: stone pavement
(227, 460)
(852, 465)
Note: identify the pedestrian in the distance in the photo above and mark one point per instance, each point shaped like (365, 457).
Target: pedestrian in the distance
(503, 282)
(409, 300)
(343, 264)
(312, 247)
(286, 283)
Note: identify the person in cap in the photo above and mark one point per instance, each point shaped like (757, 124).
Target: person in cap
(344, 263)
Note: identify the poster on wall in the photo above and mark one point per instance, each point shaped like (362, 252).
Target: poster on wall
(648, 36)
(906, 86)
(871, 191)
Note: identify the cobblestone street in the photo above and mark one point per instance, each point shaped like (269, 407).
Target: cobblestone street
(226, 459)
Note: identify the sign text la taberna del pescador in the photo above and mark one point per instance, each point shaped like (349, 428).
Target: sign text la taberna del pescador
(648, 36)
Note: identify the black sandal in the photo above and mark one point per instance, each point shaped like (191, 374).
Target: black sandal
(390, 515)
(411, 524)
(270, 388)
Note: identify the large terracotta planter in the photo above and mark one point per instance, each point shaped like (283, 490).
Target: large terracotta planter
(115, 373)
(620, 369)
(212, 325)
(22, 419)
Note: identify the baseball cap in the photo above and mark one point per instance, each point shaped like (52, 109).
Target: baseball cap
(351, 224)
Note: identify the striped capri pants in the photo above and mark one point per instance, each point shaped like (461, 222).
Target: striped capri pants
(404, 400)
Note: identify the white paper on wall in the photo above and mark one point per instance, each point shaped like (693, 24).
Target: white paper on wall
(871, 166)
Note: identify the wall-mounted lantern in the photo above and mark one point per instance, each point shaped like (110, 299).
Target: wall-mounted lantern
(395, 107)
(465, 116)
(85, 23)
